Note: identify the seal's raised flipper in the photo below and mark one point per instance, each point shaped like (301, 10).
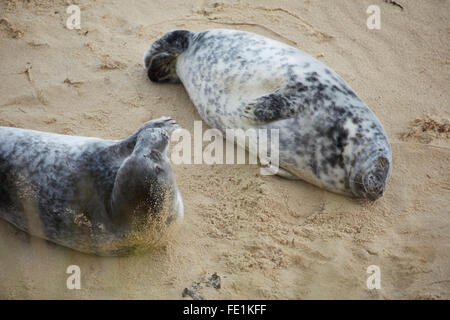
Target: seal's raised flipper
(272, 107)
(160, 59)
(165, 123)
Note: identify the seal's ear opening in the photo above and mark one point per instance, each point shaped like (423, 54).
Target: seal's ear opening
(162, 68)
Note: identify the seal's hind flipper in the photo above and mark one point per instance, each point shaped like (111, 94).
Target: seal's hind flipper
(162, 68)
(272, 107)
(161, 58)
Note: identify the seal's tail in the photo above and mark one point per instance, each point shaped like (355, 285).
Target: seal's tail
(160, 59)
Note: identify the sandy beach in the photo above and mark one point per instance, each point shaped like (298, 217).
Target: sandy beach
(266, 237)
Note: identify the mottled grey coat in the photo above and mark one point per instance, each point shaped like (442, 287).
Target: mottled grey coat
(93, 195)
(328, 135)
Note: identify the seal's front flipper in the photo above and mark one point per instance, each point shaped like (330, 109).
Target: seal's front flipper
(272, 107)
(166, 124)
(275, 170)
(286, 174)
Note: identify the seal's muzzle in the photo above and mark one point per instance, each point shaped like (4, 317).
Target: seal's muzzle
(370, 183)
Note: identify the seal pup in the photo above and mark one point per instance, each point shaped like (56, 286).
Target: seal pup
(96, 196)
(327, 135)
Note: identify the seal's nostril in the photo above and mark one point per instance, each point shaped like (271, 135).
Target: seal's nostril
(374, 185)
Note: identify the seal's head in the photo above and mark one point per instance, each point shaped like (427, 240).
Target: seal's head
(369, 180)
(160, 59)
(145, 189)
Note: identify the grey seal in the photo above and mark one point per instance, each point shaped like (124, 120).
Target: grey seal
(96, 196)
(327, 135)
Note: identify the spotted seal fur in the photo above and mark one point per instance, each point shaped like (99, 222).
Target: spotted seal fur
(328, 135)
(96, 196)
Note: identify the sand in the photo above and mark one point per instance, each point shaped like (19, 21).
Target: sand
(266, 237)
